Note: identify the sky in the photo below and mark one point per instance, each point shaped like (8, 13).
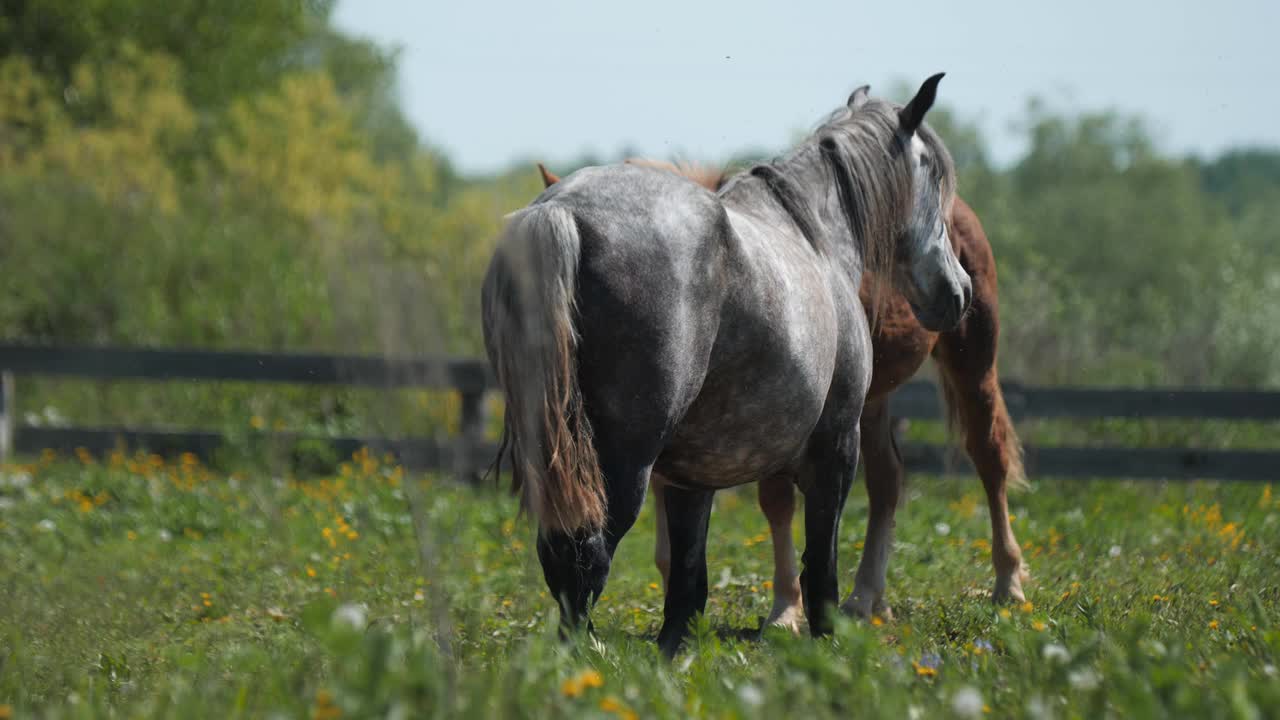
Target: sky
(494, 83)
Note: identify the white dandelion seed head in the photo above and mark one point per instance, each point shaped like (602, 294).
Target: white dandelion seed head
(1038, 708)
(967, 702)
(1085, 679)
(350, 615)
(1055, 653)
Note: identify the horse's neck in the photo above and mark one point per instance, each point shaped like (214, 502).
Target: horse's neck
(802, 195)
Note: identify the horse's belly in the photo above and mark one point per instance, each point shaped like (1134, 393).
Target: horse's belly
(708, 455)
(751, 419)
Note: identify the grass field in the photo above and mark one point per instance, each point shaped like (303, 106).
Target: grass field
(134, 588)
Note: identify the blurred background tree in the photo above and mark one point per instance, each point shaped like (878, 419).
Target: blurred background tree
(239, 174)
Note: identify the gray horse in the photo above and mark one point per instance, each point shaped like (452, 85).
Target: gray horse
(640, 324)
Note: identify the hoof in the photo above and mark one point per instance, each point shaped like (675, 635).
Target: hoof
(790, 617)
(1009, 589)
(865, 608)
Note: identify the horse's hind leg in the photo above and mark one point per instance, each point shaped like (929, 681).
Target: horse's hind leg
(967, 362)
(884, 479)
(661, 542)
(828, 475)
(778, 502)
(688, 515)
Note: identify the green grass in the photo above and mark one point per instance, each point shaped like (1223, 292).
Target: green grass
(174, 591)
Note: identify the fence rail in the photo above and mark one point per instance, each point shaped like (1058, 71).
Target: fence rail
(469, 452)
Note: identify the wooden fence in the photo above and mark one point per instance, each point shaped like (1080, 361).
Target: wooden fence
(470, 452)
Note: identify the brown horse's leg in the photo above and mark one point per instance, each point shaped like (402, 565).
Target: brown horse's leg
(973, 393)
(662, 543)
(884, 477)
(777, 500)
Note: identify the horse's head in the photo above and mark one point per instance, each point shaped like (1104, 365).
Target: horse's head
(925, 266)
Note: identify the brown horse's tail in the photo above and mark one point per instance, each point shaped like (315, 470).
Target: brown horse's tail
(529, 303)
(1001, 432)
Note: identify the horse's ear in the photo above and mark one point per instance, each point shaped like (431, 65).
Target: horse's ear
(548, 178)
(859, 97)
(913, 114)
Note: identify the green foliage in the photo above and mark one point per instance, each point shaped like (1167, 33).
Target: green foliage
(133, 588)
(226, 48)
(176, 175)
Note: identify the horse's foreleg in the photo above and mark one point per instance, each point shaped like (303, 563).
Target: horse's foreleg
(688, 514)
(832, 464)
(778, 502)
(884, 478)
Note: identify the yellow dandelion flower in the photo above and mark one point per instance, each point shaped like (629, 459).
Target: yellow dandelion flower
(592, 678)
(571, 688)
(131, 535)
(325, 709)
(653, 586)
(1027, 607)
(767, 584)
(1156, 598)
(755, 589)
(311, 572)
(924, 670)
(1038, 626)
(1213, 624)
(257, 423)
(611, 704)
(6, 712)
(1213, 603)
(353, 535)
(1004, 613)
(876, 620)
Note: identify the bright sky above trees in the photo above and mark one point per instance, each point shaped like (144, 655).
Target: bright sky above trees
(492, 82)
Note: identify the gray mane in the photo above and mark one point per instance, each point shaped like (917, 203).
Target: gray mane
(864, 156)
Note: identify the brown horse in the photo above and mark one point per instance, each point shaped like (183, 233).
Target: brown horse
(966, 359)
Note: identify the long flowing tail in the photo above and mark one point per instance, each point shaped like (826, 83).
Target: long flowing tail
(528, 307)
(1001, 432)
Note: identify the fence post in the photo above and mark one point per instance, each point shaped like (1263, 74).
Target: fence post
(7, 410)
(472, 428)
